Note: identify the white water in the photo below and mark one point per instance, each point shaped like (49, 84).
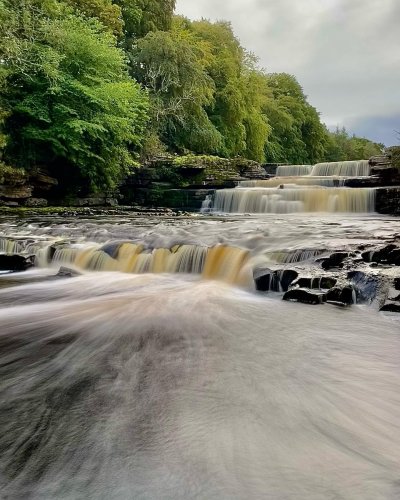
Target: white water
(175, 386)
(300, 188)
(293, 170)
(358, 168)
(294, 199)
(119, 386)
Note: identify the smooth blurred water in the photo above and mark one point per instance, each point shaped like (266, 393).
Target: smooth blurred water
(125, 386)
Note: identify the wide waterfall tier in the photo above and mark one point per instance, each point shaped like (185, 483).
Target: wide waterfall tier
(294, 181)
(293, 170)
(292, 200)
(360, 168)
(220, 262)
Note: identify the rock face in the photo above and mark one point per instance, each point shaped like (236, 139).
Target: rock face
(19, 188)
(388, 200)
(15, 262)
(273, 281)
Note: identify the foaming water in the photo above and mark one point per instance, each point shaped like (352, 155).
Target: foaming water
(293, 170)
(218, 262)
(153, 386)
(294, 199)
(347, 168)
(295, 181)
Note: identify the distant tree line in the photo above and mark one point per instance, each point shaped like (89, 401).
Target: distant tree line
(89, 88)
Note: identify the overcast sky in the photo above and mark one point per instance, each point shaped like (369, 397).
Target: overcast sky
(344, 53)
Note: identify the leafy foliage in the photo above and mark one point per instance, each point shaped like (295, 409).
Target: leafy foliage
(70, 99)
(87, 87)
(342, 146)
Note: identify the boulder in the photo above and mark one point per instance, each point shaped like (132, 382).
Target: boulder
(66, 272)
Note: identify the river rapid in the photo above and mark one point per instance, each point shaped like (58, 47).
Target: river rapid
(160, 373)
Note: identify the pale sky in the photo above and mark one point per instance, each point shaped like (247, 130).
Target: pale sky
(344, 53)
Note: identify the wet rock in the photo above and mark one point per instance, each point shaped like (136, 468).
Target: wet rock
(111, 249)
(305, 296)
(320, 282)
(389, 255)
(343, 296)
(334, 260)
(66, 272)
(391, 307)
(365, 286)
(388, 200)
(15, 262)
(267, 280)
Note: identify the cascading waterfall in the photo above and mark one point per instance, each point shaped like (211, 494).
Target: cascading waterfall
(300, 188)
(281, 201)
(295, 181)
(221, 262)
(360, 168)
(293, 170)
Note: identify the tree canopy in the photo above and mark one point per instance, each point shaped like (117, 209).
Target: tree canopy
(87, 86)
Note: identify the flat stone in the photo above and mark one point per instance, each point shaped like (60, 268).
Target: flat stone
(305, 296)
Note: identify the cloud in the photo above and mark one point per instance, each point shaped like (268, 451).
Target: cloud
(345, 53)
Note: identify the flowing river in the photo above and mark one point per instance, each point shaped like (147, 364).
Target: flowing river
(160, 373)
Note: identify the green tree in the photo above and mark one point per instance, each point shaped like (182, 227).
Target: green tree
(106, 11)
(298, 135)
(172, 66)
(71, 104)
(143, 16)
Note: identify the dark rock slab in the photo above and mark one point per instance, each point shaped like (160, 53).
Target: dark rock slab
(14, 262)
(267, 280)
(391, 307)
(305, 296)
(335, 260)
(340, 295)
(389, 255)
(319, 282)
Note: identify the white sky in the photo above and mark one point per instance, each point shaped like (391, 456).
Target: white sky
(344, 53)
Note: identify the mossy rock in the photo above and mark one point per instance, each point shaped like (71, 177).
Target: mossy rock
(12, 176)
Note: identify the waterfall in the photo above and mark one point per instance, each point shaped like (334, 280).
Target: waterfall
(293, 170)
(206, 206)
(9, 246)
(281, 201)
(358, 168)
(220, 262)
(294, 181)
